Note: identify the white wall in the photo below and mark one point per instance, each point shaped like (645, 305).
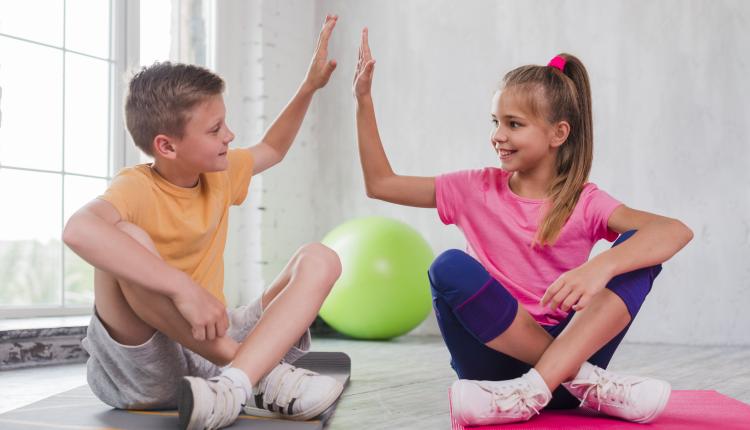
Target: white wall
(670, 87)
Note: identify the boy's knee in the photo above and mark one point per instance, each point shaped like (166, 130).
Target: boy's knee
(138, 234)
(325, 258)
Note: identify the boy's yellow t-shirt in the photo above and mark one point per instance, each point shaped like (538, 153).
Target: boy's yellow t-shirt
(187, 225)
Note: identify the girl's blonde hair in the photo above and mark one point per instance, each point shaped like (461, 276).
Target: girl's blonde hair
(560, 95)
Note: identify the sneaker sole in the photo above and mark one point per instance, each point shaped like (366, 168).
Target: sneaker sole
(456, 404)
(310, 414)
(184, 404)
(664, 398)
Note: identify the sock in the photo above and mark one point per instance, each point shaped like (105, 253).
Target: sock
(538, 382)
(239, 379)
(584, 371)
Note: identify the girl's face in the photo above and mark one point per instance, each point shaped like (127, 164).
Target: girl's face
(522, 140)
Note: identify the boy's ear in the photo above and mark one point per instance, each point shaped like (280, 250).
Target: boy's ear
(164, 146)
(560, 133)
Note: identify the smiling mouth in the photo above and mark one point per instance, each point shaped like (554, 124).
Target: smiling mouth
(504, 153)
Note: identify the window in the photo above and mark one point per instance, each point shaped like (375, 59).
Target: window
(62, 137)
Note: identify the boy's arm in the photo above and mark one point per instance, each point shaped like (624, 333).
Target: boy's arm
(380, 180)
(91, 233)
(280, 135)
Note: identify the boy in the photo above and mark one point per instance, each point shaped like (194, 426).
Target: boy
(161, 334)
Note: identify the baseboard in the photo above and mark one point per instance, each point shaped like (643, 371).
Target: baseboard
(41, 346)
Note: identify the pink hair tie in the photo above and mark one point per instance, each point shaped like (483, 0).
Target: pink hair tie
(558, 62)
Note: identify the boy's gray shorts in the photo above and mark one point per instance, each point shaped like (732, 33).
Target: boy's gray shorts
(147, 376)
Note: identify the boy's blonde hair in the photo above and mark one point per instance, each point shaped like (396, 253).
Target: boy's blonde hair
(560, 95)
(160, 97)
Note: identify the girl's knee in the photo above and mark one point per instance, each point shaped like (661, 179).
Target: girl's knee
(451, 267)
(623, 237)
(445, 266)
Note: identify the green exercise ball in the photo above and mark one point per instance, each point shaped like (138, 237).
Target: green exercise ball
(383, 291)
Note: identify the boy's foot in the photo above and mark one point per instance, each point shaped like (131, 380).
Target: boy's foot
(632, 398)
(208, 404)
(499, 402)
(293, 393)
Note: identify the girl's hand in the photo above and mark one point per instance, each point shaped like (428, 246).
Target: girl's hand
(365, 67)
(320, 67)
(574, 289)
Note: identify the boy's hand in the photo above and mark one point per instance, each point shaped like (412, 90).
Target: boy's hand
(365, 68)
(206, 315)
(575, 288)
(320, 67)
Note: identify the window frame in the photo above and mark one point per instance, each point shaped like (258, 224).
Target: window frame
(123, 56)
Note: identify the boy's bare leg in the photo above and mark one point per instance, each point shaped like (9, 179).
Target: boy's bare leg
(132, 313)
(290, 305)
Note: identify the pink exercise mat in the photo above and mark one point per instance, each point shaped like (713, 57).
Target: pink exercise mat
(686, 410)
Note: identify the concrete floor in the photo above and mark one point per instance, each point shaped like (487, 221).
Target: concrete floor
(403, 383)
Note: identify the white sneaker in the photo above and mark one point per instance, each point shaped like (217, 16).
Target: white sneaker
(208, 404)
(293, 393)
(632, 398)
(499, 402)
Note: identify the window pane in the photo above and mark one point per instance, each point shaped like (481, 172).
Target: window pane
(30, 246)
(25, 19)
(79, 275)
(31, 131)
(156, 31)
(86, 115)
(87, 26)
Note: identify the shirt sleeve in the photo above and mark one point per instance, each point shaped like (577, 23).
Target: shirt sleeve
(450, 191)
(599, 205)
(240, 172)
(129, 194)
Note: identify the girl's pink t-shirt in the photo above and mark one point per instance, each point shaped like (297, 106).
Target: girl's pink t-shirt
(500, 227)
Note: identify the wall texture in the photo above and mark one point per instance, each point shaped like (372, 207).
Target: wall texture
(670, 112)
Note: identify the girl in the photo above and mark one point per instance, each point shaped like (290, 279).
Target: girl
(530, 226)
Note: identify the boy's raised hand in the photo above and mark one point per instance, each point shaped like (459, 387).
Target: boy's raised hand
(365, 68)
(320, 67)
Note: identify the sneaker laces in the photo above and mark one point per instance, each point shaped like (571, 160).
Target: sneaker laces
(606, 386)
(226, 407)
(282, 385)
(508, 399)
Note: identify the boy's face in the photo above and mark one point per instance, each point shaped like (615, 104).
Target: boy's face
(204, 144)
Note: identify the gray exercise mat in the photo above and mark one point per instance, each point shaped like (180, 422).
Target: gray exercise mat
(80, 409)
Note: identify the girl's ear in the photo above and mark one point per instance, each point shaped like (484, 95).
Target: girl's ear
(560, 133)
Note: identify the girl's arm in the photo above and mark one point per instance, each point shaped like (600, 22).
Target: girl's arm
(380, 180)
(657, 239)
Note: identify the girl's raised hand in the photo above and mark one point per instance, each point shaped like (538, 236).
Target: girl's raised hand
(365, 67)
(320, 67)
(575, 288)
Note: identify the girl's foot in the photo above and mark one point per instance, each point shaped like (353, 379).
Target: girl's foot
(631, 398)
(498, 402)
